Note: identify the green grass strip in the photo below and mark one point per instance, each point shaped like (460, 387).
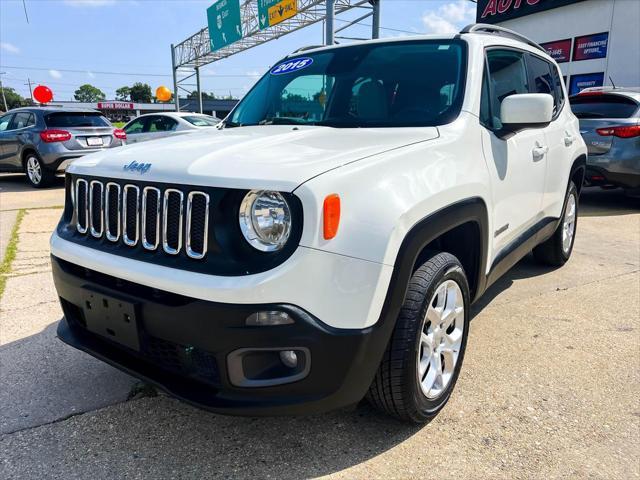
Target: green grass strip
(10, 253)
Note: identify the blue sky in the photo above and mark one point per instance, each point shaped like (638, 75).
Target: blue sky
(111, 43)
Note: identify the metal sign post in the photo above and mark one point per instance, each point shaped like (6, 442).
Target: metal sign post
(242, 25)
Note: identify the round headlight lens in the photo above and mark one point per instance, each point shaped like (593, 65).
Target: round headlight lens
(265, 220)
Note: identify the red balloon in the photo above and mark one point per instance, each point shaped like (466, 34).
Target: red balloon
(42, 94)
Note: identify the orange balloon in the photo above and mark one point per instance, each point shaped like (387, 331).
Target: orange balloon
(163, 94)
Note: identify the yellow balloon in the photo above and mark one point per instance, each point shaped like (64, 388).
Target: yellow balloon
(163, 94)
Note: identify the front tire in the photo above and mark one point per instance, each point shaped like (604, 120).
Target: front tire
(424, 356)
(557, 249)
(37, 175)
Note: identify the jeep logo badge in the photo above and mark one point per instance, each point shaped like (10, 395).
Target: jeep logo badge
(134, 166)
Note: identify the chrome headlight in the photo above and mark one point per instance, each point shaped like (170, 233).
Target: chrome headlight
(265, 220)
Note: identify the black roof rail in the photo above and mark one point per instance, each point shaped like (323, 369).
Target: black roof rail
(304, 49)
(496, 30)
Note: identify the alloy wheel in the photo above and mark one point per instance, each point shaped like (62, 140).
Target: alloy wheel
(441, 339)
(569, 224)
(34, 171)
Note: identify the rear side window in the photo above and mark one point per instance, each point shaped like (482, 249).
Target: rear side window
(22, 120)
(603, 106)
(506, 75)
(75, 119)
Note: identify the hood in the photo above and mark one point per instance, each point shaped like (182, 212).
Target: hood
(275, 157)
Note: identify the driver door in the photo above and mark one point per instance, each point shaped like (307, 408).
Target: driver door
(517, 162)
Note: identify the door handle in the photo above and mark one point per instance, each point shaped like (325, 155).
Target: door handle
(539, 151)
(568, 139)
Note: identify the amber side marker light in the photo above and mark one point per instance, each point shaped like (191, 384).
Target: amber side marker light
(331, 216)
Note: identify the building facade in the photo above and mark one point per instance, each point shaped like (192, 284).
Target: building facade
(595, 42)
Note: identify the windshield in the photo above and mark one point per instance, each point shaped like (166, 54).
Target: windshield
(201, 121)
(76, 119)
(399, 84)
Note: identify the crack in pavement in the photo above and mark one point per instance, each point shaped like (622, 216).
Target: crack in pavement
(33, 305)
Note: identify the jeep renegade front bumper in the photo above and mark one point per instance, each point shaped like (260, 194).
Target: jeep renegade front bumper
(188, 346)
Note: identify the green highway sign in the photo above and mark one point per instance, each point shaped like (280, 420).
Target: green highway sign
(272, 12)
(225, 23)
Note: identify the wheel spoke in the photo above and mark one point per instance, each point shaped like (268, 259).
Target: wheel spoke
(438, 350)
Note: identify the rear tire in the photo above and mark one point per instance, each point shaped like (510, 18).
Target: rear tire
(37, 175)
(557, 249)
(425, 353)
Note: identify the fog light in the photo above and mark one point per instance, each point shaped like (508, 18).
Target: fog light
(269, 319)
(289, 358)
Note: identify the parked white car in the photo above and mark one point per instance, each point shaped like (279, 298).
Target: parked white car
(152, 126)
(326, 244)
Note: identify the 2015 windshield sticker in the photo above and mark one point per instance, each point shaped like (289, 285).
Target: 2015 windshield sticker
(292, 66)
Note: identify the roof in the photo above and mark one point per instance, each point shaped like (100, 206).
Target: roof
(53, 109)
(629, 92)
(483, 33)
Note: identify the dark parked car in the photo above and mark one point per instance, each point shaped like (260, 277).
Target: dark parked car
(610, 125)
(42, 141)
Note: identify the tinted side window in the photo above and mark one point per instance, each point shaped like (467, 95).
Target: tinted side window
(507, 76)
(136, 126)
(545, 79)
(5, 120)
(161, 124)
(21, 120)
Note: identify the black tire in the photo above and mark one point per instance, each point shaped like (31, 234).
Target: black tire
(396, 387)
(46, 176)
(552, 252)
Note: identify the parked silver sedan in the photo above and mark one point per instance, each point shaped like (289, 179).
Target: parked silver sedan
(610, 125)
(159, 125)
(42, 141)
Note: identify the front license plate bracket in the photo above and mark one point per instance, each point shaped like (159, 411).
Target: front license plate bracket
(111, 318)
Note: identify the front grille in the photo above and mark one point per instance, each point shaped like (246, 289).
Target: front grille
(132, 215)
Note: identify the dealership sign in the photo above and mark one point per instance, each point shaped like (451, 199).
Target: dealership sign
(587, 80)
(495, 11)
(115, 106)
(591, 46)
(560, 50)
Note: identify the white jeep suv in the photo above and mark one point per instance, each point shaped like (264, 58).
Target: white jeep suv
(327, 241)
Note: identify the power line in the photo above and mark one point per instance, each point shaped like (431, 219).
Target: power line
(66, 70)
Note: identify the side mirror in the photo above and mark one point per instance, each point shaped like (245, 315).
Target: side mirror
(526, 110)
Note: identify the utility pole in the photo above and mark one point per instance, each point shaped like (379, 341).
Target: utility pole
(199, 90)
(175, 78)
(6, 109)
(30, 90)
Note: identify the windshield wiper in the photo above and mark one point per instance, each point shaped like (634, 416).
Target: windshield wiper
(230, 124)
(283, 121)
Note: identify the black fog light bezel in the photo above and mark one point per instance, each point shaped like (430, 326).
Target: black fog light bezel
(236, 367)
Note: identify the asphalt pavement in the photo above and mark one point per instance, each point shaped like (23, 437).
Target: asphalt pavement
(550, 387)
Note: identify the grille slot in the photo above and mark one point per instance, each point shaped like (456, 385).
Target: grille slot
(96, 190)
(112, 212)
(150, 218)
(197, 224)
(172, 221)
(82, 206)
(130, 215)
(144, 216)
